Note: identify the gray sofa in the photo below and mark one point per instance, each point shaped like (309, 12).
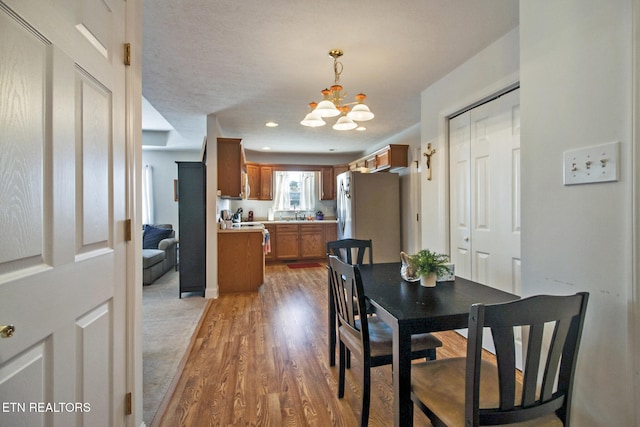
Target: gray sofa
(159, 251)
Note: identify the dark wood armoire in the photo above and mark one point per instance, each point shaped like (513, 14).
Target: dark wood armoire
(193, 227)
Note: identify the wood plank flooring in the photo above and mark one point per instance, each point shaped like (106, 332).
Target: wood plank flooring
(260, 359)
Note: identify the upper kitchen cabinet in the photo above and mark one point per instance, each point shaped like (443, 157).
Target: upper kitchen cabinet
(391, 157)
(266, 184)
(326, 183)
(253, 179)
(259, 178)
(231, 165)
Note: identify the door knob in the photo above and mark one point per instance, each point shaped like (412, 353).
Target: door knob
(466, 239)
(6, 331)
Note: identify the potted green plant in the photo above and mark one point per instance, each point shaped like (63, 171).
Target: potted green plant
(429, 265)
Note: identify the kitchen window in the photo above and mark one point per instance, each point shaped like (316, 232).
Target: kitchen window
(295, 190)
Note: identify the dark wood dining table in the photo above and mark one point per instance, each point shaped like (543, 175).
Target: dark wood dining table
(408, 309)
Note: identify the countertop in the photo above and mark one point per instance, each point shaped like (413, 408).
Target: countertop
(241, 230)
(300, 221)
(249, 227)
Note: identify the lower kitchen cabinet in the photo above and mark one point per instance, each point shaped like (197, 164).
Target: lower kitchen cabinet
(287, 241)
(330, 232)
(312, 241)
(240, 261)
(300, 241)
(271, 256)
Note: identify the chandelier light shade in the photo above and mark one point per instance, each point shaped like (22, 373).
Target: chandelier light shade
(332, 105)
(313, 119)
(345, 123)
(360, 112)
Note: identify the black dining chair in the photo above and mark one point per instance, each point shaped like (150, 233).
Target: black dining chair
(347, 250)
(366, 337)
(474, 392)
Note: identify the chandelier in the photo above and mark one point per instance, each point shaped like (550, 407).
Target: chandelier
(332, 105)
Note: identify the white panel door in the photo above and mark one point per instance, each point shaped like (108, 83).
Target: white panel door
(495, 194)
(484, 169)
(62, 209)
(484, 146)
(460, 197)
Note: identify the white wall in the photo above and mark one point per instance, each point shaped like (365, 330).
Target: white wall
(489, 72)
(165, 171)
(410, 187)
(576, 91)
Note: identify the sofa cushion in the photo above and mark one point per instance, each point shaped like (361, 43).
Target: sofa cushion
(151, 257)
(153, 235)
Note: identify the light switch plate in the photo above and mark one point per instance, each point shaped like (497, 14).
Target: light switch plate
(598, 163)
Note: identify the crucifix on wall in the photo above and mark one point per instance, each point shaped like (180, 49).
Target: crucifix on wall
(430, 152)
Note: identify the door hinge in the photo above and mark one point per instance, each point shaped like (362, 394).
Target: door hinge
(127, 54)
(418, 217)
(128, 405)
(127, 230)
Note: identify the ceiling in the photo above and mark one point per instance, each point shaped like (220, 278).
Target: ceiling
(253, 61)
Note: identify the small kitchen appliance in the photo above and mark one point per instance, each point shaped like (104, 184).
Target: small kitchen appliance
(237, 217)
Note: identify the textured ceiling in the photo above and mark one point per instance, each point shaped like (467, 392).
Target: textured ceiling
(249, 62)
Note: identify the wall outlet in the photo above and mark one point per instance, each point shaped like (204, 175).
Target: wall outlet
(598, 163)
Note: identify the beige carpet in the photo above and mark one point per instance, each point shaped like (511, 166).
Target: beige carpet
(168, 323)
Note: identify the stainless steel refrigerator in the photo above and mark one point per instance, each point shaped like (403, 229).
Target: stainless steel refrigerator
(368, 207)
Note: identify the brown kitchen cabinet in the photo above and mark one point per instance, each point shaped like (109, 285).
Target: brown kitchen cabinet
(394, 156)
(330, 232)
(253, 180)
(391, 157)
(312, 241)
(231, 164)
(266, 183)
(259, 179)
(287, 241)
(300, 241)
(240, 261)
(271, 228)
(326, 183)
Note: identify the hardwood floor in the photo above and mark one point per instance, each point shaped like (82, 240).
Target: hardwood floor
(260, 359)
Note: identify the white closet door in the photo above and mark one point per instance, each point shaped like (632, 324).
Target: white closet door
(484, 153)
(460, 197)
(484, 146)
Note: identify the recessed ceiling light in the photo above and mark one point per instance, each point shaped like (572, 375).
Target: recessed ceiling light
(361, 128)
(266, 148)
(271, 124)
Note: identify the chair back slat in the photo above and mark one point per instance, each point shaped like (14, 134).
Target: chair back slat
(503, 339)
(532, 364)
(345, 249)
(474, 358)
(349, 300)
(550, 359)
(561, 332)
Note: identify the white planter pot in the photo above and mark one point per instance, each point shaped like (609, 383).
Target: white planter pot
(428, 280)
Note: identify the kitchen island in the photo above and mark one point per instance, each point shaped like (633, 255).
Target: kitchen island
(240, 259)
